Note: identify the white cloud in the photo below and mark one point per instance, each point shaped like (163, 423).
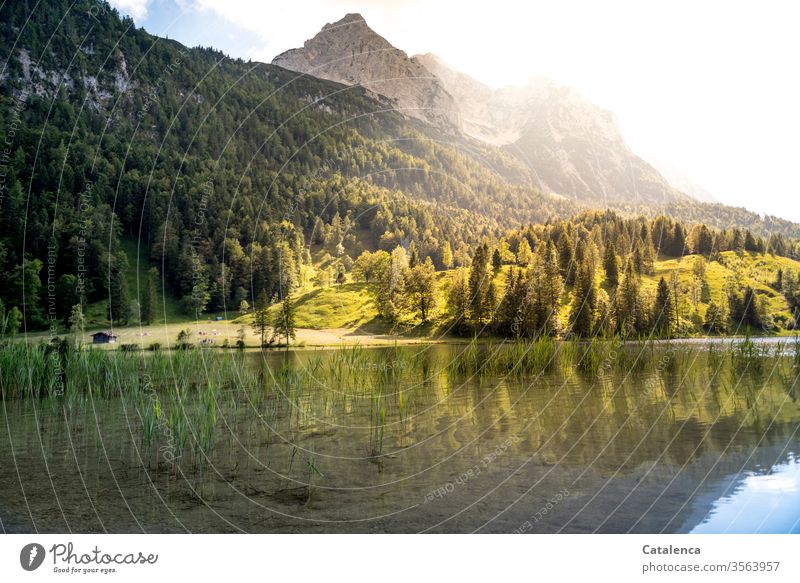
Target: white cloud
(136, 9)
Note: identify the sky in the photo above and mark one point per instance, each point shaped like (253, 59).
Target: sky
(710, 88)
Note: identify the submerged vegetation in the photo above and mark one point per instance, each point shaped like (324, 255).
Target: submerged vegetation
(182, 404)
(314, 432)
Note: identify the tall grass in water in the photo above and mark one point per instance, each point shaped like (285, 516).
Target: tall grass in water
(747, 355)
(598, 354)
(520, 357)
(796, 347)
(377, 417)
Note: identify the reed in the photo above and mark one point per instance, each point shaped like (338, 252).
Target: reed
(796, 347)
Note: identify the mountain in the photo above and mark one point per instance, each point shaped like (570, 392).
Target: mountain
(562, 143)
(350, 52)
(573, 147)
(125, 149)
(126, 153)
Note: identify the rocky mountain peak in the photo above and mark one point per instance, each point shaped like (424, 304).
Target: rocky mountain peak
(350, 52)
(572, 147)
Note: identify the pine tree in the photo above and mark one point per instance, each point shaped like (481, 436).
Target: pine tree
(13, 321)
(413, 255)
(611, 265)
(261, 317)
(678, 240)
(148, 308)
(716, 320)
(478, 284)
(389, 292)
(458, 299)
(584, 303)
(497, 260)
(447, 255)
(549, 294)
(524, 254)
(604, 317)
(566, 259)
(244, 308)
(662, 312)
(284, 325)
(491, 301)
(674, 284)
(744, 309)
(118, 290)
(627, 302)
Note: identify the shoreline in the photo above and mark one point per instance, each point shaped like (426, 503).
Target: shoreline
(340, 338)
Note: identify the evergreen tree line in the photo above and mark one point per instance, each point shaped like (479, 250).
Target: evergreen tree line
(581, 277)
(224, 172)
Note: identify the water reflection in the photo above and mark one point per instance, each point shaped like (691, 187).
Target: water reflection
(418, 439)
(760, 503)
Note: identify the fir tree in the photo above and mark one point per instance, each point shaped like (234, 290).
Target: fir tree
(478, 284)
(716, 320)
(662, 311)
(261, 317)
(584, 303)
(611, 265)
(284, 325)
(497, 260)
(447, 255)
(118, 290)
(524, 254)
(148, 308)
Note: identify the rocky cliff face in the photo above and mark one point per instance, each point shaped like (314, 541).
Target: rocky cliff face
(350, 52)
(572, 147)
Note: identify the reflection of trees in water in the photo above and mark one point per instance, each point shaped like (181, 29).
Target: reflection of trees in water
(676, 409)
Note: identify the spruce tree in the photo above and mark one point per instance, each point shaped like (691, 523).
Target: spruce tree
(611, 265)
(447, 255)
(524, 253)
(261, 317)
(284, 324)
(584, 303)
(478, 284)
(662, 311)
(566, 259)
(118, 301)
(148, 308)
(497, 260)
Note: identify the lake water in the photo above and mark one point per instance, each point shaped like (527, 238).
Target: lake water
(663, 439)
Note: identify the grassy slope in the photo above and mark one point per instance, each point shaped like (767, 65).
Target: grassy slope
(350, 306)
(750, 269)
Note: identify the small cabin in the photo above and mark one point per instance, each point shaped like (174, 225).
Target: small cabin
(103, 338)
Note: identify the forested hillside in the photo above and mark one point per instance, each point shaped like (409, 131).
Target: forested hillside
(223, 177)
